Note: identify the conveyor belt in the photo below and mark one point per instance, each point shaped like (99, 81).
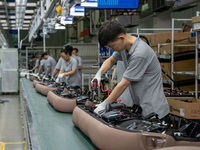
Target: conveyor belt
(54, 130)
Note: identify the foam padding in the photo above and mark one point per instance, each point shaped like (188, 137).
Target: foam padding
(180, 148)
(32, 78)
(36, 82)
(43, 89)
(61, 104)
(109, 138)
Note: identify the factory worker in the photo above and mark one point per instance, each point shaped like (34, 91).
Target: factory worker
(37, 64)
(69, 69)
(75, 53)
(48, 63)
(143, 71)
(60, 62)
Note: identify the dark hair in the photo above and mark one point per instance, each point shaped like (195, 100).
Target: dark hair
(66, 51)
(76, 49)
(69, 48)
(40, 60)
(43, 54)
(33, 56)
(144, 38)
(109, 31)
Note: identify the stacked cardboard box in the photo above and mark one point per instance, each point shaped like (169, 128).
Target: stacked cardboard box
(186, 108)
(180, 38)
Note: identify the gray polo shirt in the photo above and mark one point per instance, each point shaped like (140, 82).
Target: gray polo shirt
(51, 63)
(144, 72)
(79, 61)
(37, 65)
(59, 63)
(44, 65)
(72, 80)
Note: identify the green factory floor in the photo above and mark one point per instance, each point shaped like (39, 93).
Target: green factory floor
(55, 130)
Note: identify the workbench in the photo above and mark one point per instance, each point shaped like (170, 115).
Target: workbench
(44, 127)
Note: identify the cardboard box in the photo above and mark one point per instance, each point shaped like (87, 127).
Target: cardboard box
(196, 23)
(188, 110)
(165, 37)
(179, 66)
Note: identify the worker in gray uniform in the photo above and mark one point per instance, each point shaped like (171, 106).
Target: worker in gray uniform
(48, 62)
(37, 64)
(69, 69)
(143, 71)
(75, 53)
(60, 62)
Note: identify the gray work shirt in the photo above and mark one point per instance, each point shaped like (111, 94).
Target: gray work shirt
(144, 72)
(59, 63)
(37, 65)
(51, 63)
(79, 61)
(44, 65)
(72, 80)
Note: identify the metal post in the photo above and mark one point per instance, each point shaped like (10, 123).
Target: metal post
(196, 65)
(43, 40)
(27, 58)
(172, 54)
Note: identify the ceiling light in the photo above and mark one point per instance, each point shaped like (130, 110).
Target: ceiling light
(5, 28)
(31, 5)
(2, 16)
(27, 17)
(29, 11)
(11, 4)
(2, 11)
(1, 3)
(12, 17)
(3, 21)
(12, 21)
(27, 21)
(25, 25)
(5, 24)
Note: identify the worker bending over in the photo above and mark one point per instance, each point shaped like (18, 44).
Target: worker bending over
(69, 69)
(48, 63)
(37, 64)
(143, 72)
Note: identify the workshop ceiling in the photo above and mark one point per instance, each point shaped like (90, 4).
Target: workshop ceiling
(8, 14)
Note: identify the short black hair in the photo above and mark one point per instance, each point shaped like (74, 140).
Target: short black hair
(33, 56)
(66, 51)
(68, 48)
(43, 54)
(76, 49)
(109, 31)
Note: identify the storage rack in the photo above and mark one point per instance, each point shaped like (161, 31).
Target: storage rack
(195, 74)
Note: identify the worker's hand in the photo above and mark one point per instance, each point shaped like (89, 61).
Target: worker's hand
(98, 77)
(100, 110)
(57, 80)
(61, 75)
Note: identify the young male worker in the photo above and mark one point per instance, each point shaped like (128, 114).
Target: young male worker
(75, 53)
(50, 63)
(143, 70)
(37, 64)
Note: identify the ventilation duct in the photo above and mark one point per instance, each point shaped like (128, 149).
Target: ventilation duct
(20, 8)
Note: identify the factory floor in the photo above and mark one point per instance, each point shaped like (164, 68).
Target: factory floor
(11, 122)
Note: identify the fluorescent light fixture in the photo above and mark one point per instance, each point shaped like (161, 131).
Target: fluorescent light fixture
(77, 11)
(66, 20)
(2, 16)
(5, 28)
(12, 25)
(29, 11)
(27, 21)
(12, 21)
(2, 11)
(25, 25)
(11, 4)
(11, 17)
(89, 3)
(28, 17)
(4, 24)
(59, 26)
(31, 4)
(25, 29)
(3, 21)
(1, 3)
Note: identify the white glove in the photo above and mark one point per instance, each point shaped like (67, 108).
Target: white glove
(101, 108)
(61, 75)
(57, 80)
(98, 77)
